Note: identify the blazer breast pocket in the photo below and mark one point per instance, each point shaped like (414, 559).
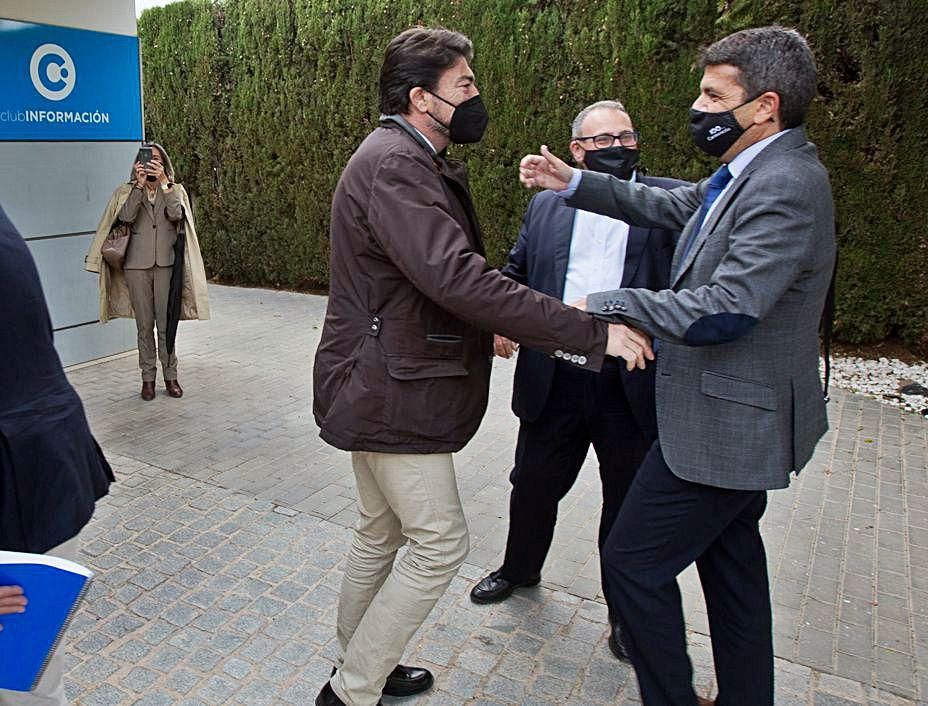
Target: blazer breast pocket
(739, 390)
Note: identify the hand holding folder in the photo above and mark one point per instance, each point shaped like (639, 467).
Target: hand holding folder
(12, 600)
(52, 589)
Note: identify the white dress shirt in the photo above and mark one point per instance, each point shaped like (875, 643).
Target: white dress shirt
(597, 255)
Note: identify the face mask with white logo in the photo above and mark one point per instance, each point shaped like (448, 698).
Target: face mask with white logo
(715, 133)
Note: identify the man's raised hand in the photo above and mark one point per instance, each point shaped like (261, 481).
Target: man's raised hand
(544, 171)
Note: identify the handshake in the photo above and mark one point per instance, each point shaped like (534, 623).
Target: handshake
(625, 342)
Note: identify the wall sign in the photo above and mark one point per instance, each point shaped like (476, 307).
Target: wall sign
(63, 84)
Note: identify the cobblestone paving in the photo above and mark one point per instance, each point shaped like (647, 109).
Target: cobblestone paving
(219, 551)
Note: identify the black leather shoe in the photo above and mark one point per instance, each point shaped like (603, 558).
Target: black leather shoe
(406, 681)
(327, 697)
(148, 391)
(494, 588)
(617, 644)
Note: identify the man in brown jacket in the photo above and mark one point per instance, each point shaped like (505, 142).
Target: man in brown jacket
(402, 372)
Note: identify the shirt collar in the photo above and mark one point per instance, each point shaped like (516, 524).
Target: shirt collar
(427, 140)
(747, 155)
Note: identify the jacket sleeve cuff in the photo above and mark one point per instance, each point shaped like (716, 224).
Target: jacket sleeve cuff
(588, 360)
(572, 185)
(606, 303)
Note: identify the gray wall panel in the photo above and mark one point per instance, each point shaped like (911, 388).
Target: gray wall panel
(71, 291)
(49, 188)
(77, 345)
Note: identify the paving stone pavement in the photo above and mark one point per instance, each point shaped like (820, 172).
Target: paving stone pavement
(219, 551)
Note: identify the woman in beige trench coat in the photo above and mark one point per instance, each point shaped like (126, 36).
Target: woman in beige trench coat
(153, 206)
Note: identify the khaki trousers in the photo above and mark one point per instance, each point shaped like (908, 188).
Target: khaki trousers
(50, 690)
(148, 292)
(401, 497)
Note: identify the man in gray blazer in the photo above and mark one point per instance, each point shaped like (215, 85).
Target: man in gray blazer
(739, 398)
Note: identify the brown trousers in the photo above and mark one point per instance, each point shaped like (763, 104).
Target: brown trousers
(148, 292)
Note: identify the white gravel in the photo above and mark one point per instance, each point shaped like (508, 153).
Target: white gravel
(882, 380)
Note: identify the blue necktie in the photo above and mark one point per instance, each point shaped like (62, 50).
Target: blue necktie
(717, 184)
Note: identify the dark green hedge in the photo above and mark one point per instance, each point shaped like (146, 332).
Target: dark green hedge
(261, 102)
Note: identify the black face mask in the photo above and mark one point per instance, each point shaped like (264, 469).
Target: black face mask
(618, 161)
(468, 121)
(715, 133)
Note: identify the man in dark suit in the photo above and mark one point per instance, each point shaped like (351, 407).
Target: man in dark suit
(563, 409)
(739, 395)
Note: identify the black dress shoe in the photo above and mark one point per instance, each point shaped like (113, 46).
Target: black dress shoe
(327, 697)
(495, 588)
(406, 681)
(617, 644)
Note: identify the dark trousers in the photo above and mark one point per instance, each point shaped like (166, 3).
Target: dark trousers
(583, 408)
(665, 524)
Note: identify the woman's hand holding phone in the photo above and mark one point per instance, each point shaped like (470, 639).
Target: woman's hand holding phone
(140, 175)
(156, 169)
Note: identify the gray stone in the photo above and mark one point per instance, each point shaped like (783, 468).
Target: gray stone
(139, 679)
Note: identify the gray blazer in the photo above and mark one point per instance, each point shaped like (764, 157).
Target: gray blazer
(154, 228)
(739, 395)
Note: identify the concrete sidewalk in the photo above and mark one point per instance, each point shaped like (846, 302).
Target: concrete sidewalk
(219, 551)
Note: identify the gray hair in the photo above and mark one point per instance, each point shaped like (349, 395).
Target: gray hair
(168, 165)
(577, 124)
(770, 59)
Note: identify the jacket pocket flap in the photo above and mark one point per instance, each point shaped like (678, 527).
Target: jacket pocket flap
(738, 390)
(415, 368)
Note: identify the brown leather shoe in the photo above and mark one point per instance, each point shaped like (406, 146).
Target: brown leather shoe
(173, 388)
(703, 701)
(148, 391)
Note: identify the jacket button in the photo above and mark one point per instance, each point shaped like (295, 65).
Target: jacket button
(604, 308)
(558, 354)
(575, 359)
(374, 327)
(376, 319)
(582, 360)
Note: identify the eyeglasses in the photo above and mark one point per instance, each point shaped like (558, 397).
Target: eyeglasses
(626, 138)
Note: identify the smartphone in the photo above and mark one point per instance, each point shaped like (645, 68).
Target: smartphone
(144, 155)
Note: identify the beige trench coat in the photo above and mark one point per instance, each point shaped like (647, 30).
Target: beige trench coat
(114, 294)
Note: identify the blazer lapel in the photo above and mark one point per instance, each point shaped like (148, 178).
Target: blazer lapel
(634, 249)
(708, 226)
(155, 205)
(563, 227)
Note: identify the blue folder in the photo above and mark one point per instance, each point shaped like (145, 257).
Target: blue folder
(54, 588)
